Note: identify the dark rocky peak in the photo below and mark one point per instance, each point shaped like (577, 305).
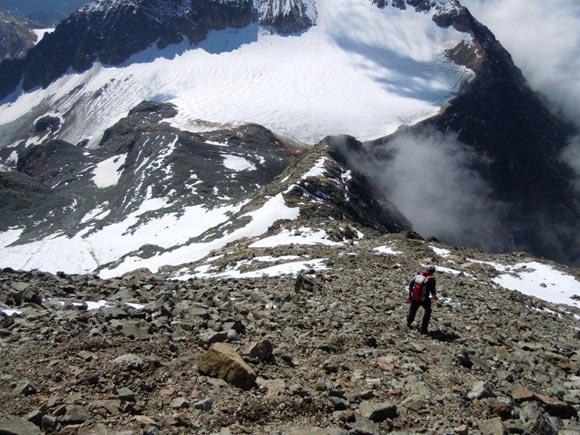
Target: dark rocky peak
(44, 162)
(286, 16)
(439, 6)
(142, 160)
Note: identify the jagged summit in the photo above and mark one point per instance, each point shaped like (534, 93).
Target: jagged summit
(439, 6)
(156, 9)
(287, 15)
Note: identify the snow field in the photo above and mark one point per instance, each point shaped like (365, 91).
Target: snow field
(361, 70)
(533, 279)
(260, 221)
(300, 236)
(84, 252)
(540, 280)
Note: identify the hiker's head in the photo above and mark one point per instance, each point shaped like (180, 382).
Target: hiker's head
(430, 269)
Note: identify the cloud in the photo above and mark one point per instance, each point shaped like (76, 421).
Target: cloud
(429, 177)
(571, 156)
(543, 38)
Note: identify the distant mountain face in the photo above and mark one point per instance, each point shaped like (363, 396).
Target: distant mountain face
(113, 30)
(16, 36)
(46, 13)
(121, 48)
(78, 174)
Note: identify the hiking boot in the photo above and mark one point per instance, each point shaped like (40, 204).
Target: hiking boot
(424, 331)
(409, 325)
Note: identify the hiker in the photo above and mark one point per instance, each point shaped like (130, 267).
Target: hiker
(421, 287)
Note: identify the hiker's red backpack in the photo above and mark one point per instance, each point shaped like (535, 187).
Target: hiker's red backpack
(419, 289)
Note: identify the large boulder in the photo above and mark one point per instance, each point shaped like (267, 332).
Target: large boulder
(222, 361)
(18, 426)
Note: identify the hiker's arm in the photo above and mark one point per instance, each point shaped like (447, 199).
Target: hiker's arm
(433, 290)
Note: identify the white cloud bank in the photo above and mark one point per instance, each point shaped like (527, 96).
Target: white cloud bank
(543, 38)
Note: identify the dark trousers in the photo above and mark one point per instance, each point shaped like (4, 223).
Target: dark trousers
(426, 304)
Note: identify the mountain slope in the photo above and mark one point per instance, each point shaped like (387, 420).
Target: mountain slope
(507, 144)
(146, 180)
(131, 202)
(357, 59)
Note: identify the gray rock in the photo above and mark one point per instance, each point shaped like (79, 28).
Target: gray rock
(110, 313)
(211, 337)
(18, 426)
(129, 361)
(126, 394)
(376, 411)
(529, 411)
(492, 427)
(204, 404)
(75, 415)
(313, 430)
(179, 403)
(48, 422)
(110, 406)
(134, 329)
(25, 388)
(263, 350)
(363, 425)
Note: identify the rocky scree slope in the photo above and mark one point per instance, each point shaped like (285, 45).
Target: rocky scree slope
(325, 352)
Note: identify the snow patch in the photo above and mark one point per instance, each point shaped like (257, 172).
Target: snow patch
(387, 250)
(317, 170)
(107, 173)
(217, 144)
(442, 269)
(10, 236)
(40, 33)
(541, 281)
(97, 212)
(291, 268)
(300, 236)
(237, 163)
(440, 251)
